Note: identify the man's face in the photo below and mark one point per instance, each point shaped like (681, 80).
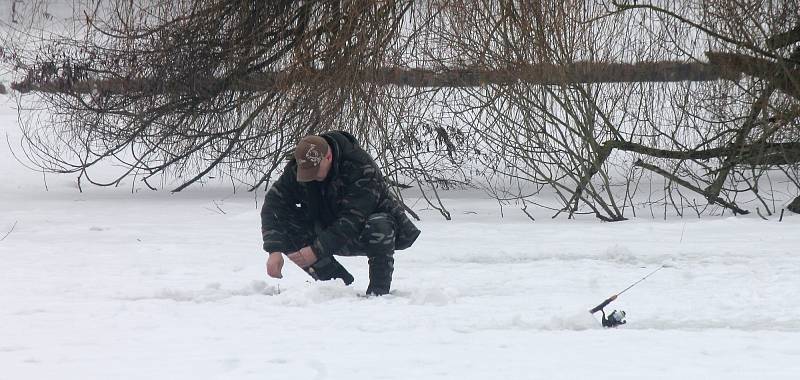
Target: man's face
(324, 167)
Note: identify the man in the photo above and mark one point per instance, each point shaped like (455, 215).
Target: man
(333, 199)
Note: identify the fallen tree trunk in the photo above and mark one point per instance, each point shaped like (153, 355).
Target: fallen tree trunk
(543, 74)
(759, 154)
(710, 197)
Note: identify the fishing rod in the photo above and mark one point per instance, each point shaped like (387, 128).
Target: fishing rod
(617, 317)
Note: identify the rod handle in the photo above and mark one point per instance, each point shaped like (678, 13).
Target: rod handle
(604, 304)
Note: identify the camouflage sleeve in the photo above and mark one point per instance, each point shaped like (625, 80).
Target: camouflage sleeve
(279, 207)
(361, 198)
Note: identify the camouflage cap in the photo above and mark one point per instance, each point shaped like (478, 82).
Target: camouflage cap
(310, 152)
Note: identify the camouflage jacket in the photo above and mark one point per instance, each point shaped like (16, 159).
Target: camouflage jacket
(336, 208)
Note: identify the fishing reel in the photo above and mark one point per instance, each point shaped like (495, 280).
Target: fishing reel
(616, 318)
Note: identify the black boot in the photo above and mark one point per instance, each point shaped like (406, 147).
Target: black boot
(380, 275)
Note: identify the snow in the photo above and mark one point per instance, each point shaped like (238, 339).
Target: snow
(127, 283)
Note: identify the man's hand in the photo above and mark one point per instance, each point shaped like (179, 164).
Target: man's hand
(275, 264)
(303, 258)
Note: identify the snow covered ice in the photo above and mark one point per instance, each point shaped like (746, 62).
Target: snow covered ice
(122, 284)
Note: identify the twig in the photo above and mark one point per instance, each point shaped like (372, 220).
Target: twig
(9, 231)
(410, 211)
(682, 231)
(525, 210)
(219, 208)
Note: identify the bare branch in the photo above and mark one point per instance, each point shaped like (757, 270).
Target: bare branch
(9, 231)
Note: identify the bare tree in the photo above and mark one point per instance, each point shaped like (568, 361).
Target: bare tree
(606, 107)
(190, 86)
(589, 143)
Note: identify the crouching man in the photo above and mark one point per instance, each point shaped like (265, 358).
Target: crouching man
(333, 200)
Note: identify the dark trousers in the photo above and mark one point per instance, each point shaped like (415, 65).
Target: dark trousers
(376, 242)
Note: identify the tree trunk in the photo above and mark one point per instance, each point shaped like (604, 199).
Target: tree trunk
(544, 74)
(794, 206)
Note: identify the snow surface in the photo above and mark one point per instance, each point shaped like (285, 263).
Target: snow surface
(128, 283)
